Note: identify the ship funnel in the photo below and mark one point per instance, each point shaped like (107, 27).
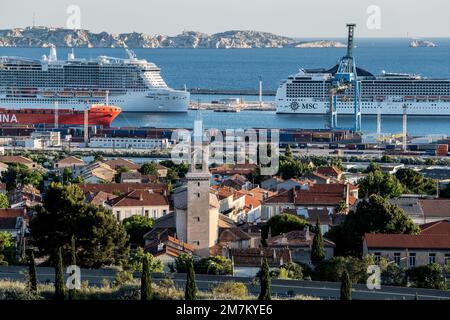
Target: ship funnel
(350, 43)
(53, 56)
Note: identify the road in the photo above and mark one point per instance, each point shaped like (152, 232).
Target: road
(324, 290)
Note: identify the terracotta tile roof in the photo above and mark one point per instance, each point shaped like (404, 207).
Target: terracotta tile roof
(253, 257)
(121, 187)
(243, 169)
(233, 234)
(99, 198)
(296, 238)
(317, 194)
(137, 198)
(404, 241)
(258, 193)
(119, 162)
(329, 171)
(441, 227)
(435, 208)
(71, 160)
(223, 192)
(225, 222)
(167, 244)
(16, 159)
(315, 175)
(12, 213)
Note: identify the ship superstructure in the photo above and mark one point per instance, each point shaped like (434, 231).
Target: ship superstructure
(133, 84)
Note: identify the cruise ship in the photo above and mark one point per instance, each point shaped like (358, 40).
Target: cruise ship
(332, 91)
(133, 84)
(308, 92)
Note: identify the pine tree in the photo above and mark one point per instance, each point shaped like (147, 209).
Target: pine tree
(191, 288)
(146, 280)
(73, 262)
(265, 293)
(32, 275)
(346, 286)
(317, 250)
(59, 277)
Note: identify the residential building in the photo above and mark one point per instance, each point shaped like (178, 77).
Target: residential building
(247, 262)
(166, 248)
(15, 222)
(271, 183)
(238, 182)
(432, 245)
(317, 196)
(26, 196)
(70, 162)
(47, 138)
(299, 242)
(291, 183)
(435, 209)
(162, 170)
(115, 164)
(18, 160)
(330, 171)
(229, 170)
(121, 188)
(253, 201)
(137, 177)
(316, 178)
(97, 172)
(231, 201)
(99, 199)
(139, 202)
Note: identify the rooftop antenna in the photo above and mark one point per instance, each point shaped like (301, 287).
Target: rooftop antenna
(34, 19)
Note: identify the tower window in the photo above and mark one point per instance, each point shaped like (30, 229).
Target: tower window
(198, 184)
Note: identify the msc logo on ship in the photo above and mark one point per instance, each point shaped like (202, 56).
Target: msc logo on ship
(304, 106)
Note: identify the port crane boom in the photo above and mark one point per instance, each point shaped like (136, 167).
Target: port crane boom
(345, 79)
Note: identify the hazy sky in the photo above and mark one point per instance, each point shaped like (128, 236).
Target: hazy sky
(295, 18)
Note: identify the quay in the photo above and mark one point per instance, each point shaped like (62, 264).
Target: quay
(231, 92)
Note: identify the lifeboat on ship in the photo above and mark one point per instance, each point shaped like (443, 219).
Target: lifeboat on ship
(421, 98)
(409, 98)
(48, 94)
(445, 98)
(83, 94)
(65, 94)
(380, 98)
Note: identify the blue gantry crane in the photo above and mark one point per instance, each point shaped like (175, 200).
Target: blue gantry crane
(346, 78)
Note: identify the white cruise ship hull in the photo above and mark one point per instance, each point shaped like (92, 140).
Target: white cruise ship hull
(157, 100)
(309, 106)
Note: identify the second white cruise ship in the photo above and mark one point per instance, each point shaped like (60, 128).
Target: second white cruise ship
(133, 84)
(321, 91)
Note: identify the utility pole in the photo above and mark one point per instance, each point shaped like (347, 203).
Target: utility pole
(86, 126)
(260, 91)
(379, 121)
(56, 114)
(405, 126)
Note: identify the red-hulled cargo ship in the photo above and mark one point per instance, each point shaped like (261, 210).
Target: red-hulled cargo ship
(101, 115)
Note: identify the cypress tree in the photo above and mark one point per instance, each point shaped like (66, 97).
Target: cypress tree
(317, 250)
(146, 280)
(73, 262)
(32, 275)
(346, 286)
(191, 288)
(59, 277)
(266, 293)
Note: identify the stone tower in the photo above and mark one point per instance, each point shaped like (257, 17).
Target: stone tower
(201, 217)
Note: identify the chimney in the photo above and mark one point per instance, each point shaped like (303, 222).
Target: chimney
(307, 235)
(141, 198)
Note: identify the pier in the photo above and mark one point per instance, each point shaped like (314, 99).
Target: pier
(231, 92)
